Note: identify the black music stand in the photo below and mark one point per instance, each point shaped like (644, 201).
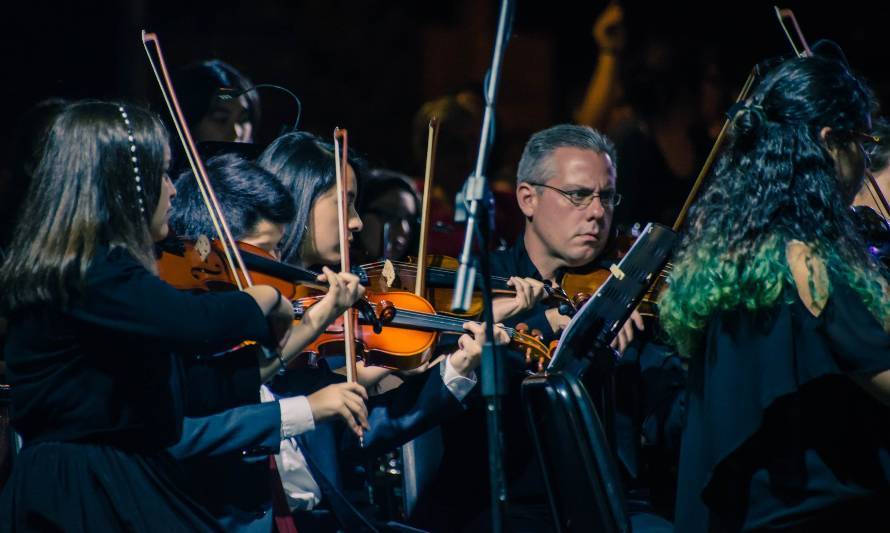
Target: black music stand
(583, 486)
(575, 449)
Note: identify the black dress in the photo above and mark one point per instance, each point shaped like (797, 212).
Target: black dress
(778, 435)
(97, 395)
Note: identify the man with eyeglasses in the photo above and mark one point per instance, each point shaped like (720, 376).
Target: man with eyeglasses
(566, 190)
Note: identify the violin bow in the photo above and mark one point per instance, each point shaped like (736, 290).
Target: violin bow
(162, 75)
(712, 155)
(340, 166)
(283, 520)
(801, 48)
(431, 142)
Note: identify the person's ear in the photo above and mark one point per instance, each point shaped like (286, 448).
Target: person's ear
(825, 137)
(527, 198)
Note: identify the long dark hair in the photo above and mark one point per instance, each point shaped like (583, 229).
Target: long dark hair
(84, 195)
(305, 164)
(775, 182)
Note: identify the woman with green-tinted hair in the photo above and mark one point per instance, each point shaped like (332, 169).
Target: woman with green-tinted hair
(784, 317)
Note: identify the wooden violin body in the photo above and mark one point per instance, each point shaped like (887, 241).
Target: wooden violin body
(582, 283)
(199, 265)
(411, 327)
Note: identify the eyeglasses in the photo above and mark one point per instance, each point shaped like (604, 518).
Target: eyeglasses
(582, 198)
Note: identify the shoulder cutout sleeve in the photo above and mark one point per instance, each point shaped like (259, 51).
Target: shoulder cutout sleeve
(810, 276)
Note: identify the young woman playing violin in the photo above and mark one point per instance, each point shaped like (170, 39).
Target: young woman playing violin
(304, 163)
(393, 417)
(97, 393)
(235, 489)
(257, 207)
(785, 318)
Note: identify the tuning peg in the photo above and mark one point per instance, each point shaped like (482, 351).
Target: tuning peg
(579, 299)
(386, 311)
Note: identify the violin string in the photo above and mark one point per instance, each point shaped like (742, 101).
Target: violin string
(411, 266)
(420, 319)
(424, 319)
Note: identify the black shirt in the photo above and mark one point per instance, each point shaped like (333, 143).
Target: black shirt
(655, 374)
(650, 378)
(102, 370)
(778, 434)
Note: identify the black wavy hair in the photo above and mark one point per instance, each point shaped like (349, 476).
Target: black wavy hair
(775, 182)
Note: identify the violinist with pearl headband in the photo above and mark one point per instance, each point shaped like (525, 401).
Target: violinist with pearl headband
(97, 392)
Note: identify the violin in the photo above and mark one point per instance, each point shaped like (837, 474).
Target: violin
(411, 327)
(199, 265)
(434, 276)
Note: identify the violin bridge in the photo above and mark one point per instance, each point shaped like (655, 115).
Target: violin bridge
(388, 273)
(617, 272)
(202, 246)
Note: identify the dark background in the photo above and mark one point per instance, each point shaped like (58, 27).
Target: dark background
(368, 65)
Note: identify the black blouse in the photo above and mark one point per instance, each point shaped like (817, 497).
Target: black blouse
(778, 434)
(103, 371)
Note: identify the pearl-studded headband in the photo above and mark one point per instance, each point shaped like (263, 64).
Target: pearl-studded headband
(133, 158)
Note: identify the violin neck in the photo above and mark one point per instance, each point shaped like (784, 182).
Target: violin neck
(278, 269)
(444, 278)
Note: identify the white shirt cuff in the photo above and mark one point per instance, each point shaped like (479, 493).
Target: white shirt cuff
(296, 416)
(456, 383)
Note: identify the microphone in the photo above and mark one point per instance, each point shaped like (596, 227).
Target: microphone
(227, 93)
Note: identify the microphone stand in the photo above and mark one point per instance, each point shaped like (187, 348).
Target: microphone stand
(475, 205)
